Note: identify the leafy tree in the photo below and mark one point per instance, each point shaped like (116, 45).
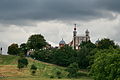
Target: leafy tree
(42, 55)
(36, 41)
(106, 65)
(72, 69)
(82, 57)
(64, 56)
(33, 68)
(106, 44)
(13, 49)
(88, 45)
(23, 48)
(20, 65)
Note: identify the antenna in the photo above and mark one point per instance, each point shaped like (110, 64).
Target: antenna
(75, 25)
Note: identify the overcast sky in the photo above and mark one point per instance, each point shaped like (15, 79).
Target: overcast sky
(55, 19)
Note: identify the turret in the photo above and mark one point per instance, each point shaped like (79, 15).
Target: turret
(74, 36)
(87, 32)
(74, 32)
(87, 35)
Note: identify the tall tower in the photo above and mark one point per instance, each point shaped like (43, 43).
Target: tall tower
(1, 50)
(87, 35)
(74, 36)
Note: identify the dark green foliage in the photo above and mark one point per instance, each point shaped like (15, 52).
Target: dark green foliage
(33, 69)
(88, 45)
(13, 49)
(51, 76)
(106, 44)
(23, 48)
(22, 62)
(36, 41)
(82, 57)
(72, 70)
(42, 55)
(64, 56)
(20, 65)
(106, 65)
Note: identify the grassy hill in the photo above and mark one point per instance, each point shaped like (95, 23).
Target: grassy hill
(45, 71)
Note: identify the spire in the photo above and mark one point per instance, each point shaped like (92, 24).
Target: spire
(75, 27)
(74, 36)
(87, 32)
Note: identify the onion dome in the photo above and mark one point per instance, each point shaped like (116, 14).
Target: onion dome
(62, 42)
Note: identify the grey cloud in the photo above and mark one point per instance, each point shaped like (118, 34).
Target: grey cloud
(16, 11)
(112, 5)
(116, 36)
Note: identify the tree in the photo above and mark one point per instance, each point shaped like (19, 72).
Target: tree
(73, 69)
(36, 41)
(82, 57)
(13, 49)
(23, 48)
(33, 68)
(106, 65)
(106, 44)
(88, 45)
(64, 56)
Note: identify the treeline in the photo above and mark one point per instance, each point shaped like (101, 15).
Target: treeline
(101, 59)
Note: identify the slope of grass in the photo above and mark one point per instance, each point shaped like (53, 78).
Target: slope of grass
(9, 70)
(8, 60)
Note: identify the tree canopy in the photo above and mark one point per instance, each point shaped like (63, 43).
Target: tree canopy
(36, 41)
(13, 49)
(106, 44)
(106, 65)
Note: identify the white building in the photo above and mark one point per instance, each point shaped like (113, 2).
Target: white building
(77, 40)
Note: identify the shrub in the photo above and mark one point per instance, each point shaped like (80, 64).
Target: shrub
(73, 70)
(33, 68)
(22, 62)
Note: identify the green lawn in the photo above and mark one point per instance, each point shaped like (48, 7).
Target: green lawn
(9, 70)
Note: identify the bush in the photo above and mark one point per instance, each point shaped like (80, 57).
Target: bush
(51, 76)
(73, 70)
(33, 68)
(22, 62)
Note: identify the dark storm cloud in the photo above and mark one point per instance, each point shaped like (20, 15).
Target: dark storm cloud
(112, 5)
(18, 11)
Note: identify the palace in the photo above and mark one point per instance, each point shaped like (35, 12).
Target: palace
(77, 40)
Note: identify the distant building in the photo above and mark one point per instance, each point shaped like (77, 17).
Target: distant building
(77, 40)
(62, 43)
(96, 43)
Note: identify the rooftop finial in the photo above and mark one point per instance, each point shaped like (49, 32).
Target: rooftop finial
(75, 27)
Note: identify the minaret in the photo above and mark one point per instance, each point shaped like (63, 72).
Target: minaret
(87, 35)
(1, 50)
(74, 36)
